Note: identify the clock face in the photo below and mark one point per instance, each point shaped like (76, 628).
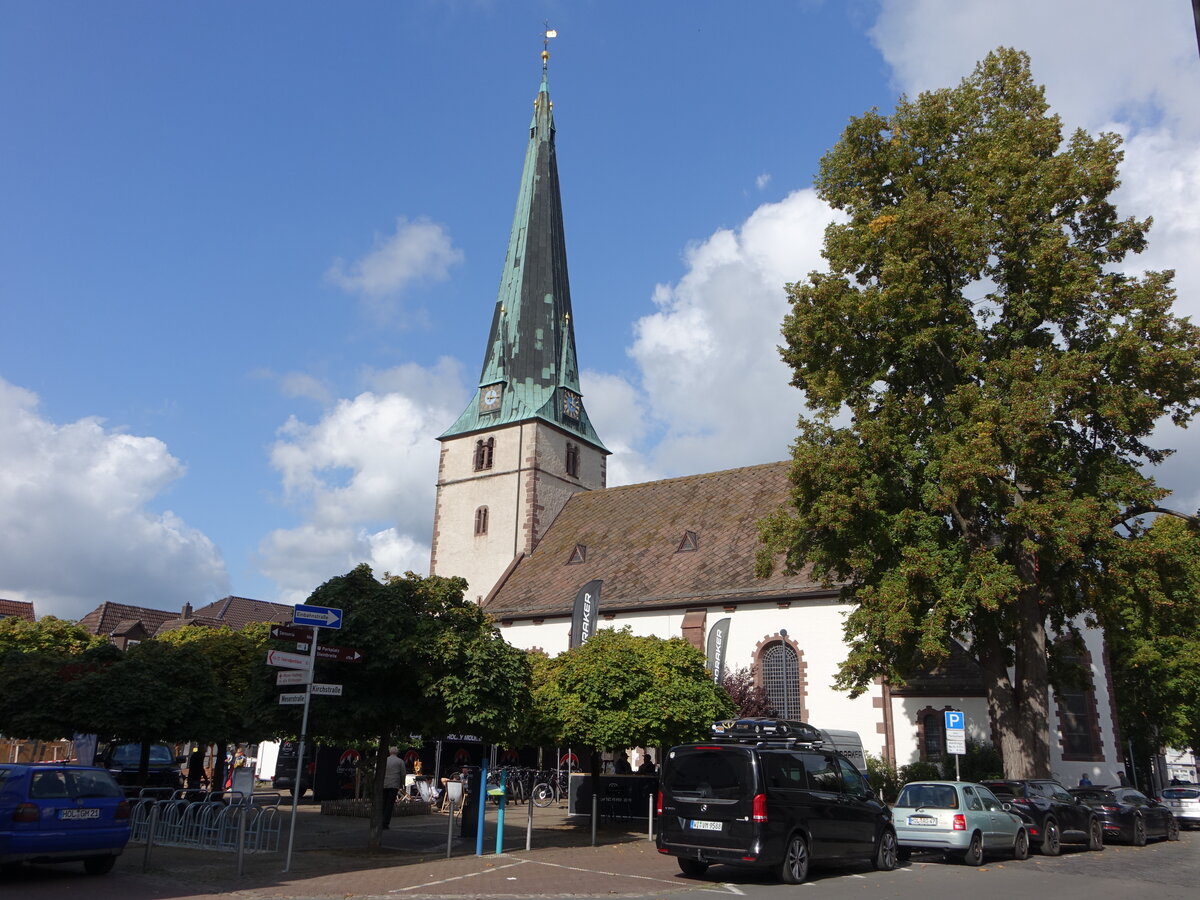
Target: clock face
(570, 405)
(489, 400)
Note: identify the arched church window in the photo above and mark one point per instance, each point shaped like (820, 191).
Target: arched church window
(572, 459)
(481, 520)
(781, 679)
(931, 728)
(1078, 720)
(484, 452)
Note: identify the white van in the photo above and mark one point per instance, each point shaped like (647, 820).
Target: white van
(847, 743)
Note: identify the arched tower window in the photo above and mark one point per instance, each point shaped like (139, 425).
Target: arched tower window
(780, 667)
(572, 459)
(484, 452)
(481, 520)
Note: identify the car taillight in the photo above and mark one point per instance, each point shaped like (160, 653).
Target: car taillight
(25, 812)
(759, 809)
(658, 804)
(1110, 808)
(960, 822)
(122, 811)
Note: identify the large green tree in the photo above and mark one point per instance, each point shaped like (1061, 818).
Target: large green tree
(620, 690)
(432, 662)
(984, 378)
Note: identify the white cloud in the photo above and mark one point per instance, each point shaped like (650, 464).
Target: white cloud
(762, 181)
(362, 479)
(75, 530)
(419, 250)
(710, 352)
(618, 413)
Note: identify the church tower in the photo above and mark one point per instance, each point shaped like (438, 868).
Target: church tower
(524, 444)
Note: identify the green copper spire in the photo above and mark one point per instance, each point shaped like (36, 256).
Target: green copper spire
(529, 365)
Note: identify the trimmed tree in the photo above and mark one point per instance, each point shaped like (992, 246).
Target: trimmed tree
(983, 379)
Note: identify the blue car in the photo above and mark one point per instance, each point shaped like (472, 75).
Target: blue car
(60, 813)
(962, 820)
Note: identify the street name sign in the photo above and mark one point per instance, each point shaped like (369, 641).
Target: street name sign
(341, 654)
(288, 660)
(291, 632)
(292, 699)
(326, 690)
(322, 616)
(956, 732)
(294, 676)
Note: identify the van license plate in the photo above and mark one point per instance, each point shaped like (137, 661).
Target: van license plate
(922, 820)
(88, 813)
(706, 826)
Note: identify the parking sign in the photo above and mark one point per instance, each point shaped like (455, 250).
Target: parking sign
(956, 732)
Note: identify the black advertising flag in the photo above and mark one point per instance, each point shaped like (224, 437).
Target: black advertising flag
(718, 639)
(587, 612)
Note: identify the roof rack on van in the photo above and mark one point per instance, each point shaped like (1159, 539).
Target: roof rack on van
(763, 730)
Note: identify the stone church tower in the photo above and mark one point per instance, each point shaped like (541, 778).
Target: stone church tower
(524, 444)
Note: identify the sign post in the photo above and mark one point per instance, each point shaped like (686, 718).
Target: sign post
(316, 617)
(956, 737)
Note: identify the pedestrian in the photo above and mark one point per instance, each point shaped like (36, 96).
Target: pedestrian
(621, 765)
(237, 761)
(469, 823)
(647, 767)
(393, 780)
(1084, 781)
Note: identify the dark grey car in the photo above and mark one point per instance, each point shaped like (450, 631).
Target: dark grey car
(767, 795)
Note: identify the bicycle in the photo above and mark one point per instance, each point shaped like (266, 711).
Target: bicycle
(547, 789)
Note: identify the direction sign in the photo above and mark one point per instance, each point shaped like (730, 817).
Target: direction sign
(291, 699)
(327, 690)
(291, 632)
(341, 654)
(288, 660)
(324, 616)
(294, 676)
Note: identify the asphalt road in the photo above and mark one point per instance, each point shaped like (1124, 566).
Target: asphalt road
(631, 868)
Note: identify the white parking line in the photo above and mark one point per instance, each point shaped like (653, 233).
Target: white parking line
(456, 878)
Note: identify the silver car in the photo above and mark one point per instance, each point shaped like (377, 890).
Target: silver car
(962, 820)
(1184, 801)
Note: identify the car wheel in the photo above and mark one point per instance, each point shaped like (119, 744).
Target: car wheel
(1139, 831)
(99, 865)
(885, 851)
(1051, 841)
(794, 868)
(1096, 835)
(974, 854)
(1021, 845)
(692, 868)
(1172, 829)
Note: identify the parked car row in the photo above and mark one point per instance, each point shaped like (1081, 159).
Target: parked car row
(766, 794)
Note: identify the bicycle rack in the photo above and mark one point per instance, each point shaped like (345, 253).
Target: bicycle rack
(208, 824)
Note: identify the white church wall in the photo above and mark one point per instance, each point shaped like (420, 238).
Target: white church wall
(905, 711)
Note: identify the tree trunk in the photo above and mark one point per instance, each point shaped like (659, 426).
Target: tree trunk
(375, 797)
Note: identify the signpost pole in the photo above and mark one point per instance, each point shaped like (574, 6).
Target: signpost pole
(312, 653)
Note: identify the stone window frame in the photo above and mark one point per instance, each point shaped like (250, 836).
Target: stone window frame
(485, 453)
(923, 735)
(572, 459)
(1091, 711)
(760, 651)
(481, 521)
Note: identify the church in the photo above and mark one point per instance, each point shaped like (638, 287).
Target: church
(523, 513)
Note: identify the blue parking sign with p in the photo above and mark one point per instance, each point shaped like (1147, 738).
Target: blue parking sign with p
(955, 720)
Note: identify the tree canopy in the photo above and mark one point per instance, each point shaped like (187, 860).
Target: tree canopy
(983, 378)
(622, 690)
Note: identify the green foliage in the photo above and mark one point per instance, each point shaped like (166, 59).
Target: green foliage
(883, 778)
(981, 761)
(983, 377)
(46, 635)
(1154, 638)
(919, 771)
(621, 690)
(432, 662)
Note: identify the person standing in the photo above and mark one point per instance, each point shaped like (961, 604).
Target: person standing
(393, 779)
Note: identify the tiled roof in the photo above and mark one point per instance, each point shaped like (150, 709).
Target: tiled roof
(107, 618)
(181, 621)
(632, 538)
(238, 612)
(21, 609)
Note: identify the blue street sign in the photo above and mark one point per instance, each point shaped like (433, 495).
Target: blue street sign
(322, 616)
(955, 721)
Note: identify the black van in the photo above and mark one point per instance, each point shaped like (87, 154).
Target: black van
(764, 793)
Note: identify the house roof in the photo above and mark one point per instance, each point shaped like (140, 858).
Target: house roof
(116, 618)
(238, 612)
(673, 543)
(20, 609)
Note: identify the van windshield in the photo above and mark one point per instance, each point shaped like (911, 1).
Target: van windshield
(717, 773)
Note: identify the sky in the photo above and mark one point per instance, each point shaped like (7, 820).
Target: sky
(249, 250)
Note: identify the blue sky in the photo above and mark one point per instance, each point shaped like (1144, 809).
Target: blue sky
(249, 250)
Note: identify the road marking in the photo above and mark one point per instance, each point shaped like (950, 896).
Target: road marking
(538, 862)
(456, 878)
